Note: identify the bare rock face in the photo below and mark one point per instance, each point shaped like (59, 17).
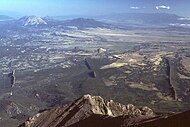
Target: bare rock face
(101, 50)
(147, 111)
(11, 108)
(84, 108)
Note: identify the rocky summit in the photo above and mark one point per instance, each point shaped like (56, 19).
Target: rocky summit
(94, 111)
(89, 108)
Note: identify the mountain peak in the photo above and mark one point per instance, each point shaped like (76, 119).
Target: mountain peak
(84, 108)
(85, 23)
(114, 109)
(31, 21)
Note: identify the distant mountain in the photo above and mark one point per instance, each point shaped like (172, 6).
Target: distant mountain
(85, 23)
(31, 21)
(144, 19)
(48, 19)
(5, 18)
(12, 14)
(128, 19)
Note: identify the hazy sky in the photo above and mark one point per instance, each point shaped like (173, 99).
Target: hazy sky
(93, 7)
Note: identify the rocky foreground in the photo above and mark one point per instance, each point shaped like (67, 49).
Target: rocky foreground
(94, 111)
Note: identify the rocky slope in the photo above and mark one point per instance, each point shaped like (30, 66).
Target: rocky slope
(94, 111)
(88, 110)
(178, 120)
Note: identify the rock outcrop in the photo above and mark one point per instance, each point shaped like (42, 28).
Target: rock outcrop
(89, 108)
(101, 50)
(11, 77)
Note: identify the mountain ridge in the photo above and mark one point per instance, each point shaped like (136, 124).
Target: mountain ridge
(31, 21)
(85, 108)
(147, 19)
(94, 111)
(5, 17)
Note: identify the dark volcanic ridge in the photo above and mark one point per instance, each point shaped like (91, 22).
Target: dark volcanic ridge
(86, 23)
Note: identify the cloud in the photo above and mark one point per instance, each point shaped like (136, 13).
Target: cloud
(163, 7)
(184, 18)
(135, 8)
(180, 25)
